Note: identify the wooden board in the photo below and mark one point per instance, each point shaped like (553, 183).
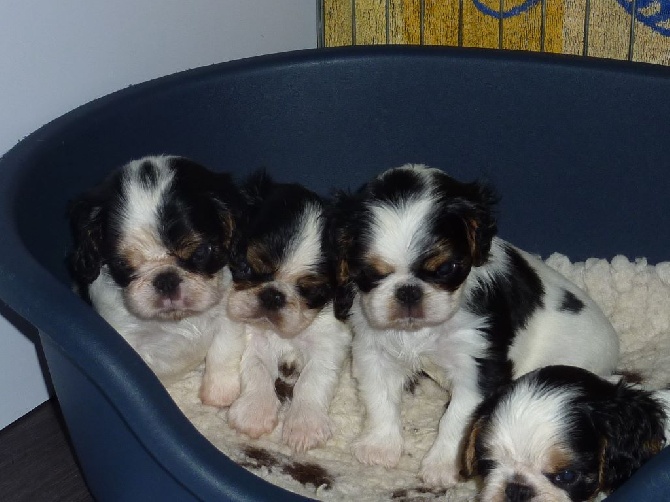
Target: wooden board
(598, 28)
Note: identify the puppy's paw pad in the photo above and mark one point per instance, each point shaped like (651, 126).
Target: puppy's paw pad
(439, 473)
(382, 451)
(220, 392)
(254, 416)
(305, 429)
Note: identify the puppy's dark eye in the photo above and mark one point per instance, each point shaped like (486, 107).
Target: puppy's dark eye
(369, 277)
(315, 294)
(118, 264)
(447, 269)
(121, 271)
(202, 253)
(563, 478)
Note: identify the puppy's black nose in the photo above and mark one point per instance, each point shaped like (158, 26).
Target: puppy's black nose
(409, 294)
(167, 283)
(517, 492)
(272, 299)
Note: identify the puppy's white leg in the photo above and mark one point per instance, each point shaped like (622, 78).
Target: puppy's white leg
(170, 354)
(255, 412)
(441, 465)
(307, 424)
(221, 381)
(380, 384)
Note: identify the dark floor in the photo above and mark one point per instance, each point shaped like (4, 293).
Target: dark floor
(36, 461)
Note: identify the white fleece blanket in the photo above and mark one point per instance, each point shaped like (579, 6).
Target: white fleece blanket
(634, 295)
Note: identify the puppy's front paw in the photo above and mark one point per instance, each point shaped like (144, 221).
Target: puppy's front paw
(254, 415)
(305, 428)
(219, 390)
(376, 449)
(437, 470)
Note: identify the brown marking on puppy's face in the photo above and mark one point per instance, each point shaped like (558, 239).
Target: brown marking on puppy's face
(558, 458)
(439, 254)
(161, 283)
(281, 281)
(377, 267)
(260, 260)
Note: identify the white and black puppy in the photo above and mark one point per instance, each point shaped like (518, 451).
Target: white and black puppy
(561, 433)
(151, 245)
(282, 291)
(426, 286)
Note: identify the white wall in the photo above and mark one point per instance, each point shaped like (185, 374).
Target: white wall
(56, 55)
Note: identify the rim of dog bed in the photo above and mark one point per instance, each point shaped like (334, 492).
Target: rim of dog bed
(35, 294)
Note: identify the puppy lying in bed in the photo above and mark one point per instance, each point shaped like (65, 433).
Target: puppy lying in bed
(427, 287)
(151, 246)
(282, 293)
(561, 433)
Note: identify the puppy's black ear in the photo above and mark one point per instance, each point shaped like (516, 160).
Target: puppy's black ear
(257, 187)
(229, 204)
(632, 431)
(85, 260)
(340, 214)
(476, 207)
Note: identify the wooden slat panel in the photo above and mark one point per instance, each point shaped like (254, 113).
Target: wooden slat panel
(609, 30)
(405, 21)
(652, 34)
(337, 23)
(441, 22)
(370, 22)
(554, 26)
(573, 27)
(479, 29)
(522, 31)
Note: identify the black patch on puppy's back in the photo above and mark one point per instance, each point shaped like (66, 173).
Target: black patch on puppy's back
(571, 303)
(508, 301)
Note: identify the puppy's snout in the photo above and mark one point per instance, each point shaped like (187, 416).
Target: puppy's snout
(409, 295)
(518, 492)
(272, 299)
(167, 283)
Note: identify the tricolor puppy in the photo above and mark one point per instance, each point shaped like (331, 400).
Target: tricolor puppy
(427, 287)
(151, 245)
(561, 433)
(282, 292)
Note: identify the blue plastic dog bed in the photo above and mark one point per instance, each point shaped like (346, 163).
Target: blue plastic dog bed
(579, 150)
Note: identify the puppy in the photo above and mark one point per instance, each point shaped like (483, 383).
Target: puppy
(562, 433)
(282, 292)
(426, 286)
(151, 245)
